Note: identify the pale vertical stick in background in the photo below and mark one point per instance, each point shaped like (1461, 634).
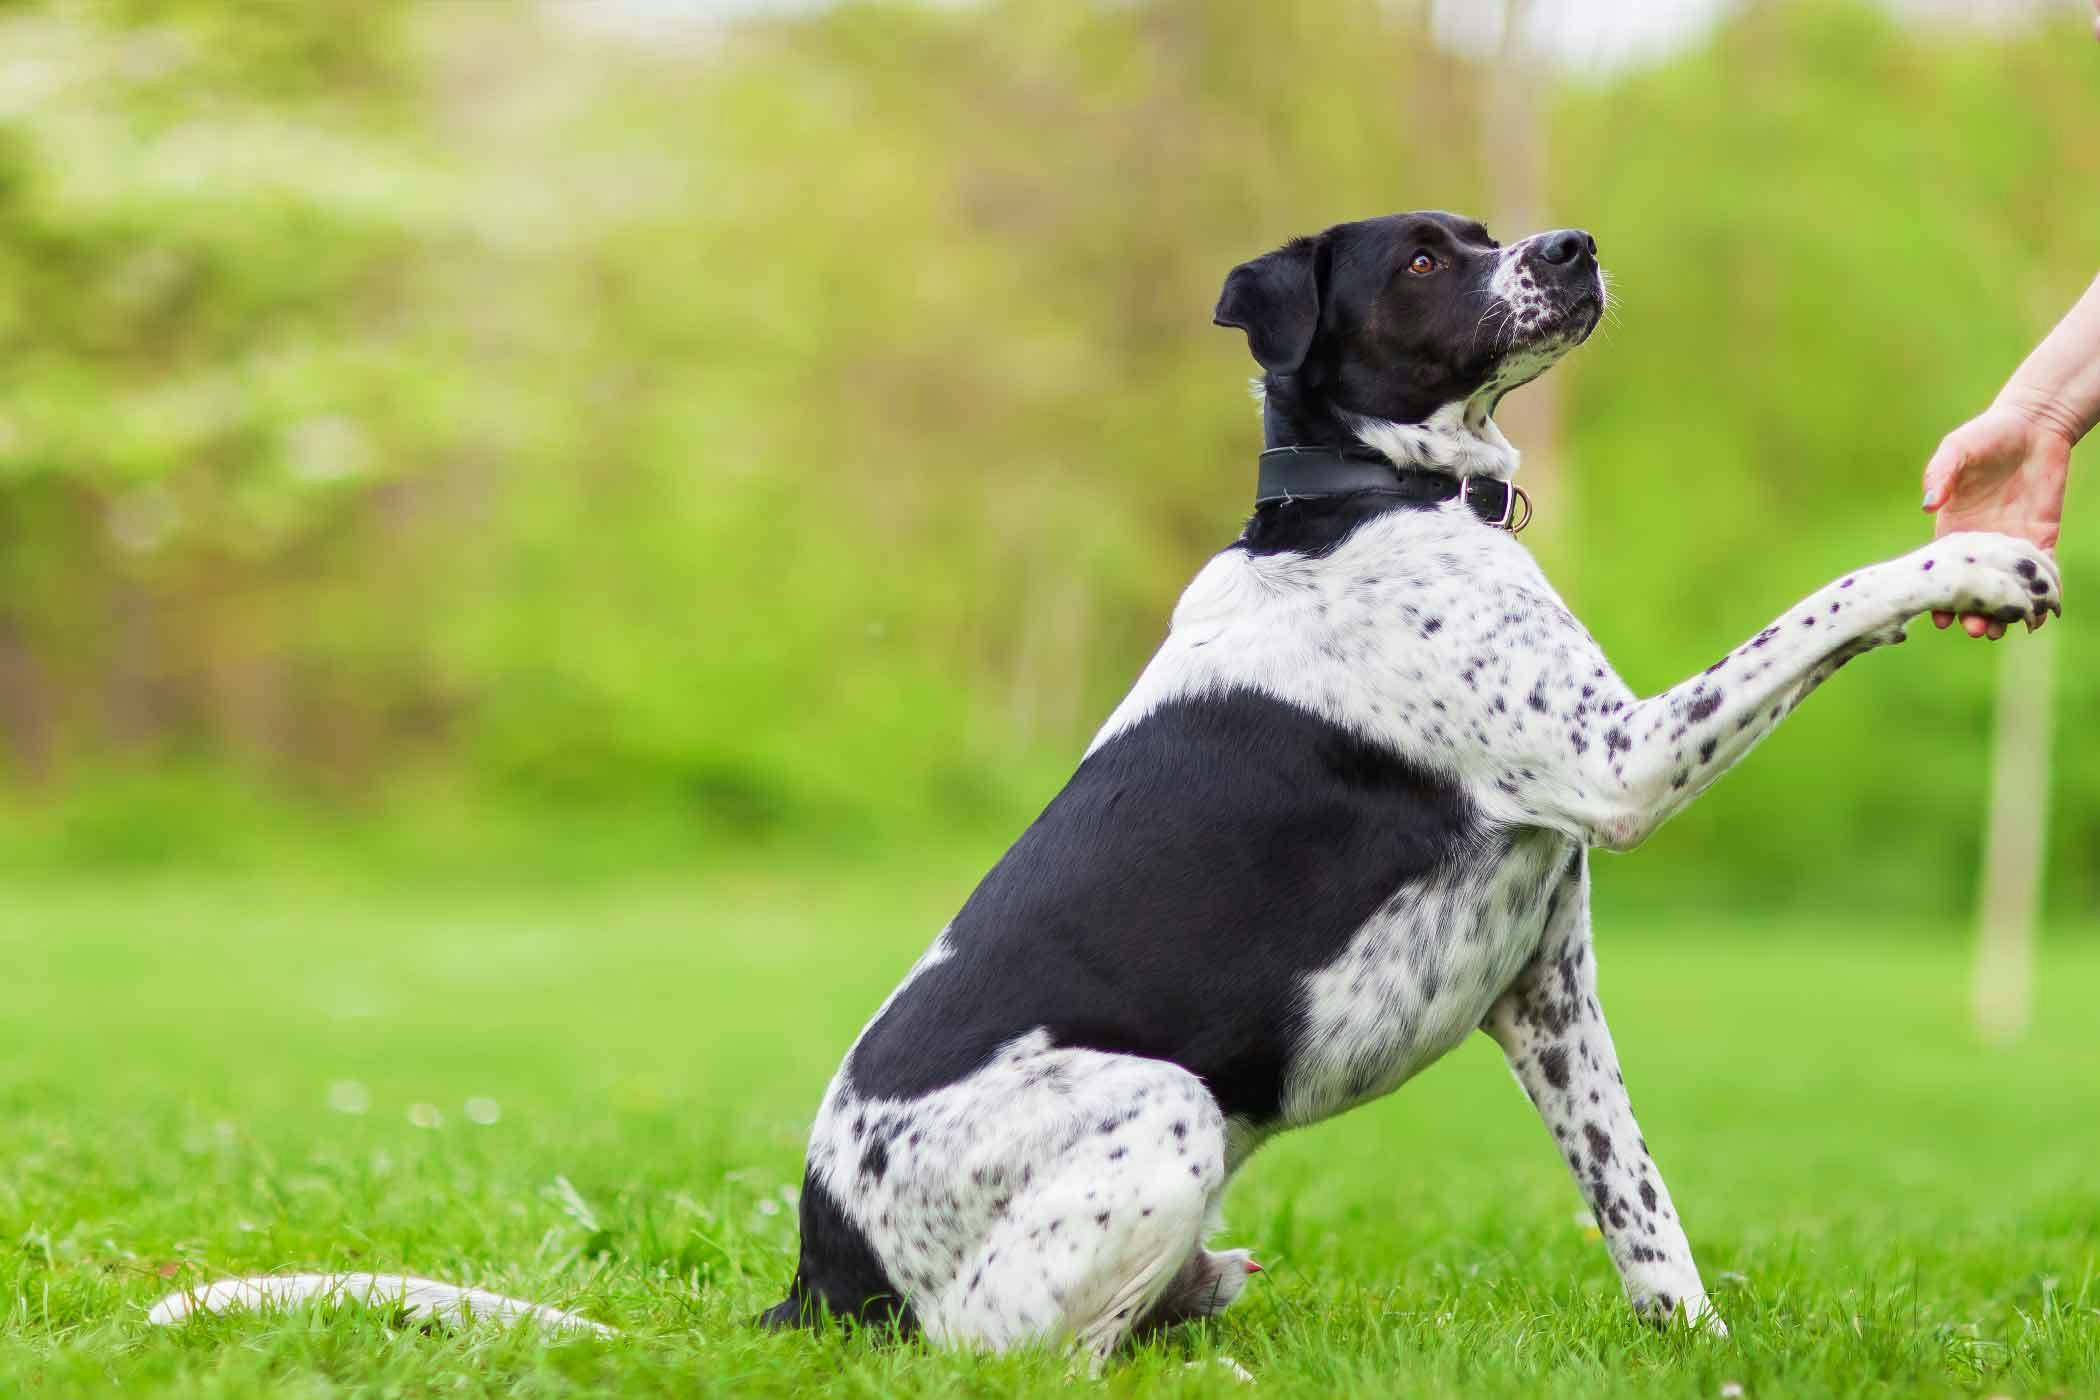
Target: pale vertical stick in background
(2016, 839)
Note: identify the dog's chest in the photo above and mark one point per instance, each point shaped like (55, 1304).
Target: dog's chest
(1429, 634)
(1421, 973)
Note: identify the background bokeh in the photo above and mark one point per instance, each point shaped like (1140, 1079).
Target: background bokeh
(474, 438)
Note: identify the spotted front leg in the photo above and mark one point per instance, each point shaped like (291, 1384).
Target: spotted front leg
(1551, 1027)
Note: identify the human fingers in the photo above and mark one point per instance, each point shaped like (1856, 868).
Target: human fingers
(1945, 466)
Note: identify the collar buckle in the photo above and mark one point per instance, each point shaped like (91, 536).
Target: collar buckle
(1290, 474)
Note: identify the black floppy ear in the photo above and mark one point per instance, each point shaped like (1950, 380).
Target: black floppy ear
(1275, 299)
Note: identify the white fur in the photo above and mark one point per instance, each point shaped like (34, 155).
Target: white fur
(1440, 617)
(1459, 437)
(415, 1297)
(1551, 1028)
(1419, 976)
(1090, 1180)
(1515, 289)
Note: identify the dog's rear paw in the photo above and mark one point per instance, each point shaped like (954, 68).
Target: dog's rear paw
(1994, 576)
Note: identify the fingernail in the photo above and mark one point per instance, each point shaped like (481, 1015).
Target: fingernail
(1928, 500)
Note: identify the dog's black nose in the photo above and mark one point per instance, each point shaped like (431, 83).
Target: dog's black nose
(1566, 245)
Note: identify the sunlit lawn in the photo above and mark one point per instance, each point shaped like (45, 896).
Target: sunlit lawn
(1881, 1206)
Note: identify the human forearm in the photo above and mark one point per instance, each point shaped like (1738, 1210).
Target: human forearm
(2058, 385)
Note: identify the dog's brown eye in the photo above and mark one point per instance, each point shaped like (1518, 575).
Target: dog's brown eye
(1421, 264)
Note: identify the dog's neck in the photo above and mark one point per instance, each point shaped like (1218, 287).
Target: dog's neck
(1460, 437)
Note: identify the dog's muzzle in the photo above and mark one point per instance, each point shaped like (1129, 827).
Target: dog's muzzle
(1562, 265)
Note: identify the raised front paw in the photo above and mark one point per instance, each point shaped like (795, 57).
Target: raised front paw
(1996, 576)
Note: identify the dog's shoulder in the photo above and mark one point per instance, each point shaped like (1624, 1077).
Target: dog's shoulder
(1434, 636)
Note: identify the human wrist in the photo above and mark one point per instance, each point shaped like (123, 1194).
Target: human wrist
(2046, 410)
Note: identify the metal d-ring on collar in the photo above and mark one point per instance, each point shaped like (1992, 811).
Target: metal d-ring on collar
(1309, 473)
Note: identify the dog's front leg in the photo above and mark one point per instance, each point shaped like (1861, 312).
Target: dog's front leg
(1622, 766)
(1551, 1026)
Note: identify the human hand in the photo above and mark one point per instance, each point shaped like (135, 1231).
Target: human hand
(2002, 471)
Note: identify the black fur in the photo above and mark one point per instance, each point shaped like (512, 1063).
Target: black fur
(838, 1274)
(1315, 527)
(1140, 913)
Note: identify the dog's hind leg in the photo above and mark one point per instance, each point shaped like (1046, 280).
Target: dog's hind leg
(1551, 1026)
(1107, 1225)
(1207, 1284)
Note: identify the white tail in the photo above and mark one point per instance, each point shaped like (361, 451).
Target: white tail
(415, 1296)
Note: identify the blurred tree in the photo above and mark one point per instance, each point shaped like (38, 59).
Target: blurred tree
(802, 432)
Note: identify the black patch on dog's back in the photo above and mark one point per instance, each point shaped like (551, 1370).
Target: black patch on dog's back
(838, 1274)
(1169, 900)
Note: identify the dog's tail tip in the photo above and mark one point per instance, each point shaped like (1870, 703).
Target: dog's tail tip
(417, 1297)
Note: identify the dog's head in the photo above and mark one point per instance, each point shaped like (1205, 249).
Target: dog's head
(1405, 332)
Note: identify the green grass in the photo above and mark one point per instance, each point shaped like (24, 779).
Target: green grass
(1880, 1206)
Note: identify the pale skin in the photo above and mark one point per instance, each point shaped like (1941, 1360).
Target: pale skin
(2004, 470)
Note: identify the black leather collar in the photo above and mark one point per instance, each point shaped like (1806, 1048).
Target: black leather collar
(1309, 473)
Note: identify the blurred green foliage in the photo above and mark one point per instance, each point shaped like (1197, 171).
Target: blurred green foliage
(420, 424)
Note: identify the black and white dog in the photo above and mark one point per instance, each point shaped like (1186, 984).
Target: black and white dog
(1341, 821)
